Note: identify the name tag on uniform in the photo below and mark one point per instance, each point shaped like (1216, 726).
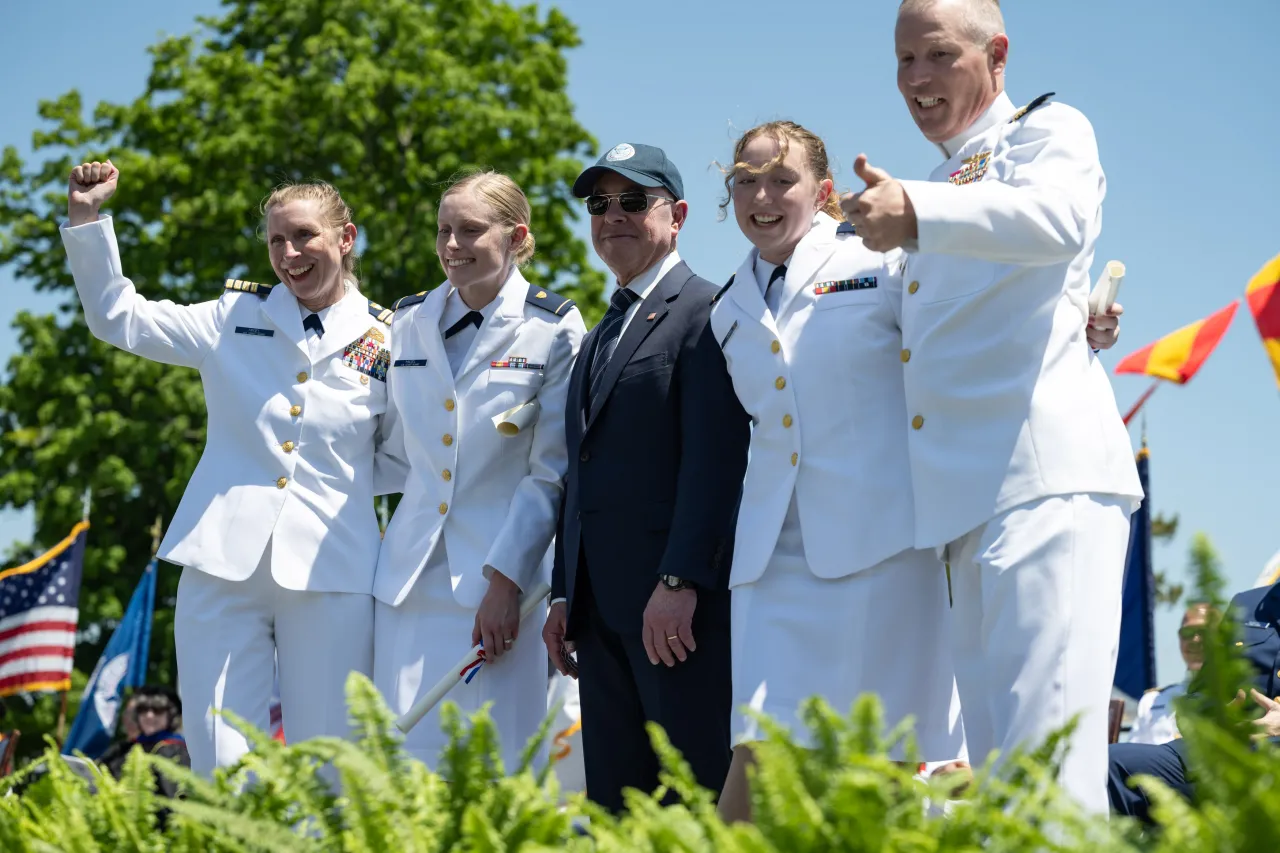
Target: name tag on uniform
(248, 330)
(409, 362)
(729, 334)
(517, 363)
(844, 285)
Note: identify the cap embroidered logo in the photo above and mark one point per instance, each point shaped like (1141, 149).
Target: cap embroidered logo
(620, 152)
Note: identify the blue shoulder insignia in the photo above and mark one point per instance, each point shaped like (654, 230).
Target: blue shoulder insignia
(406, 301)
(260, 290)
(1038, 102)
(384, 315)
(549, 301)
(728, 284)
(846, 228)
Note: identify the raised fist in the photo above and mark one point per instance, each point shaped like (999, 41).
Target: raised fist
(89, 187)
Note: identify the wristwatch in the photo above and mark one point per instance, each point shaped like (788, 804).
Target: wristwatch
(674, 583)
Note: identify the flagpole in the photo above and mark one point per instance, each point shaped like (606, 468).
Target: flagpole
(1146, 395)
(61, 729)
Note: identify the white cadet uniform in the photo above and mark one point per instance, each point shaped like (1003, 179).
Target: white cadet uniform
(476, 500)
(829, 597)
(1023, 473)
(1155, 721)
(276, 528)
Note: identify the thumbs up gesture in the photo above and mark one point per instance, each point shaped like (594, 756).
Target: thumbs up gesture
(881, 214)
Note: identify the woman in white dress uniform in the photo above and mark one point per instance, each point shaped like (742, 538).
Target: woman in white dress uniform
(829, 598)
(480, 368)
(276, 529)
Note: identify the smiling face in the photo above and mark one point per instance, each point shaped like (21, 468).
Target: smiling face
(630, 243)
(775, 196)
(475, 250)
(948, 76)
(306, 253)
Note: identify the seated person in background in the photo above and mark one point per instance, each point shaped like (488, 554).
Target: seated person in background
(1155, 722)
(1259, 613)
(151, 721)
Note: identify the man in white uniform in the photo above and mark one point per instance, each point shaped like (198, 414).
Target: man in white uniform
(1155, 721)
(1023, 474)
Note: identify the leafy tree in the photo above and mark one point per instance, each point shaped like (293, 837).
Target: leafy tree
(387, 99)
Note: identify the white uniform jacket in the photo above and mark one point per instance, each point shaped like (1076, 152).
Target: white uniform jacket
(1006, 403)
(823, 385)
(1155, 720)
(494, 497)
(291, 443)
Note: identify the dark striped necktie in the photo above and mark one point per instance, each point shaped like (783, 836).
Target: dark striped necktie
(610, 328)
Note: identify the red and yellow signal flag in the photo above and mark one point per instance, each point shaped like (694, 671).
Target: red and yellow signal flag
(1178, 355)
(1263, 296)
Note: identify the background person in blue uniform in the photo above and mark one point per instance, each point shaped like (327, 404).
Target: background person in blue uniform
(473, 530)
(657, 447)
(1259, 613)
(276, 529)
(809, 328)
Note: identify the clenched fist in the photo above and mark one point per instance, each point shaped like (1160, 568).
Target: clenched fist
(89, 187)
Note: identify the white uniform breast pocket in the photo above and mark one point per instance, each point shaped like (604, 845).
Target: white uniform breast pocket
(510, 385)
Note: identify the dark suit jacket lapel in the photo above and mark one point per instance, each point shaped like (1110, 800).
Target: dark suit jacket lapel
(657, 304)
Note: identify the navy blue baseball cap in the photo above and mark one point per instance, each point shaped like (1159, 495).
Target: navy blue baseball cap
(646, 165)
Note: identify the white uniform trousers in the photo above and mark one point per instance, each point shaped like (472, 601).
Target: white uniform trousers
(418, 642)
(1036, 630)
(882, 630)
(229, 635)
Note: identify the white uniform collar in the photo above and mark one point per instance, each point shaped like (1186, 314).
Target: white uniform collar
(1001, 110)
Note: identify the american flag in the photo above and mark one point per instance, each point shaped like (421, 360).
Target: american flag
(39, 609)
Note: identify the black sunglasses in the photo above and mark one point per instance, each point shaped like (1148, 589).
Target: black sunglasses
(631, 202)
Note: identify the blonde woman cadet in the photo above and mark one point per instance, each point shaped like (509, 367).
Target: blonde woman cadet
(276, 530)
(479, 375)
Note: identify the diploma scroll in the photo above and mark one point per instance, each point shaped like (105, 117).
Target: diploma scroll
(516, 419)
(466, 666)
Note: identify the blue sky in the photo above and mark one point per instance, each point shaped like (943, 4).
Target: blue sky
(1176, 91)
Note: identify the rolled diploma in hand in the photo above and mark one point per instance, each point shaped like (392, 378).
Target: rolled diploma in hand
(433, 696)
(513, 420)
(1105, 291)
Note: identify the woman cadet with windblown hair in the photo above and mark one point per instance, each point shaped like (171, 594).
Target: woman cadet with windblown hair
(276, 530)
(829, 596)
(480, 368)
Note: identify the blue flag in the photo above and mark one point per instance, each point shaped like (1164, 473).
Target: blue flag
(1136, 663)
(123, 664)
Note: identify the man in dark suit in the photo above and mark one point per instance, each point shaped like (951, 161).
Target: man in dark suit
(1259, 613)
(657, 447)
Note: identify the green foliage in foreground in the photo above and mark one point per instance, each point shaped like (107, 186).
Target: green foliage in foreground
(844, 795)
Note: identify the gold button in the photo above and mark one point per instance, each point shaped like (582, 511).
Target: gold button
(913, 287)
(905, 356)
(364, 380)
(448, 439)
(444, 507)
(775, 347)
(448, 405)
(302, 377)
(295, 410)
(282, 482)
(786, 421)
(780, 383)
(795, 457)
(288, 446)
(447, 474)
(917, 422)
(1239, 644)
